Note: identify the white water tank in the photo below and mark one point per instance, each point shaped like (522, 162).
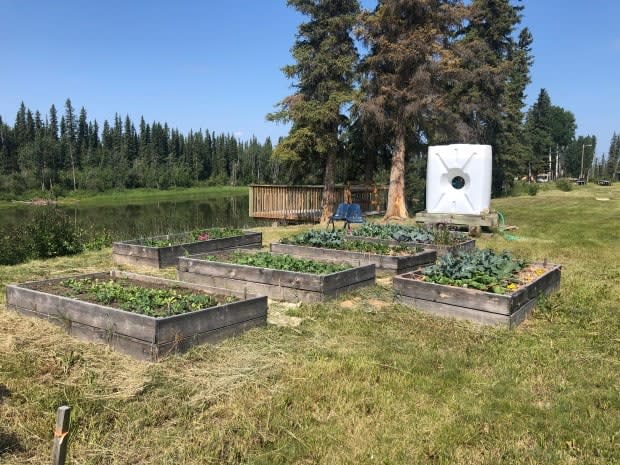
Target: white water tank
(458, 179)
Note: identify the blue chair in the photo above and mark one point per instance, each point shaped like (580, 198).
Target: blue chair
(340, 215)
(354, 215)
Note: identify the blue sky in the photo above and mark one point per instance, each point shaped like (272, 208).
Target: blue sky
(216, 65)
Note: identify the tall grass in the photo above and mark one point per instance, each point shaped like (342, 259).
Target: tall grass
(360, 380)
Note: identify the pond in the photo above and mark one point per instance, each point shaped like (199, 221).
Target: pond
(133, 220)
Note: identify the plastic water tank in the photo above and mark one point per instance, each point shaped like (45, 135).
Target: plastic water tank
(458, 179)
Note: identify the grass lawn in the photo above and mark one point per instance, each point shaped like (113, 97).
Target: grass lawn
(143, 195)
(357, 380)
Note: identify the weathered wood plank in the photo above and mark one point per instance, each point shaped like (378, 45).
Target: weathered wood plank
(273, 291)
(441, 249)
(250, 273)
(111, 319)
(399, 264)
(346, 278)
(470, 298)
(139, 336)
(176, 283)
(210, 337)
(130, 252)
(184, 326)
(489, 220)
(454, 311)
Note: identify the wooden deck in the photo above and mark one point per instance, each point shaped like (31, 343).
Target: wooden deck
(303, 203)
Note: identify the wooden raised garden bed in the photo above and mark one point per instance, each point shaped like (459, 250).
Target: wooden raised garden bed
(135, 252)
(140, 336)
(440, 249)
(277, 284)
(390, 263)
(474, 305)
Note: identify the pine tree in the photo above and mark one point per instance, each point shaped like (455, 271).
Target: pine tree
(324, 74)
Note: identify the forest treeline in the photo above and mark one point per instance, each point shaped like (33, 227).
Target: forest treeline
(56, 152)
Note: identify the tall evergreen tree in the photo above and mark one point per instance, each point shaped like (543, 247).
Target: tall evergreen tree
(324, 74)
(406, 69)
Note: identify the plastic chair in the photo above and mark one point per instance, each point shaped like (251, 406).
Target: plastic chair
(340, 215)
(354, 216)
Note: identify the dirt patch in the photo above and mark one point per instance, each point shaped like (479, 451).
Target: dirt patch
(348, 304)
(378, 303)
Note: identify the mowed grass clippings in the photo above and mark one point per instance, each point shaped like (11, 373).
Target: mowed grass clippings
(357, 381)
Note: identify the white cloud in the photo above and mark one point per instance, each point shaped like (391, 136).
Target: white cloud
(238, 133)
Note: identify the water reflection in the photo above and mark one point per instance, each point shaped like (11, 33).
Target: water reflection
(128, 221)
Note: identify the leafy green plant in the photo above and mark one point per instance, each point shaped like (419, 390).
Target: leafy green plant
(196, 235)
(336, 240)
(50, 233)
(403, 233)
(154, 302)
(532, 189)
(280, 262)
(484, 270)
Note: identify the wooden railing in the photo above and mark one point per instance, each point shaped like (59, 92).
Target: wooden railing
(303, 203)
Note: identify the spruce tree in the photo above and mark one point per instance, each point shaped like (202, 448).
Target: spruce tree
(324, 75)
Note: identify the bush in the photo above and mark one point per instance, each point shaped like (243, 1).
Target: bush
(50, 233)
(532, 189)
(53, 234)
(15, 246)
(564, 185)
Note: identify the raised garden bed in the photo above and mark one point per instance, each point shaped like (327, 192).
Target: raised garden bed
(278, 284)
(335, 248)
(134, 333)
(506, 301)
(391, 234)
(388, 263)
(163, 251)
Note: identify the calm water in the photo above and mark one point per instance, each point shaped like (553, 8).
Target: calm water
(128, 221)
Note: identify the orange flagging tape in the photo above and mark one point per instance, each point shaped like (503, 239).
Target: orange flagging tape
(59, 434)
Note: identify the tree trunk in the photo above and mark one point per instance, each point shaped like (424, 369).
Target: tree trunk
(396, 205)
(329, 195)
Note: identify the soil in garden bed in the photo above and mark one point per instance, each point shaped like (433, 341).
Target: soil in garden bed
(336, 240)
(517, 281)
(277, 262)
(138, 297)
(198, 235)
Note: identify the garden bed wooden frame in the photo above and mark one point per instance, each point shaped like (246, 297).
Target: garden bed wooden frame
(140, 336)
(134, 252)
(477, 306)
(387, 263)
(284, 285)
(441, 249)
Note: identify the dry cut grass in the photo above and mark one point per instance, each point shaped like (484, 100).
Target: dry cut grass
(357, 380)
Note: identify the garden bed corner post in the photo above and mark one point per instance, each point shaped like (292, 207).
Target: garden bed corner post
(61, 435)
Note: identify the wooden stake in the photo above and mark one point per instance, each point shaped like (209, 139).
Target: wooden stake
(61, 435)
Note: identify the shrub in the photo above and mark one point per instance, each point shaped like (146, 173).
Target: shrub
(564, 185)
(52, 234)
(532, 189)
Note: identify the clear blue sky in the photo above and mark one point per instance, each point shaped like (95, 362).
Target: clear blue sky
(216, 65)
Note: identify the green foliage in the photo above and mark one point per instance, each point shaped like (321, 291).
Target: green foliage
(137, 299)
(484, 270)
(50, 233)
(532, 189)
(336, 240)
(196, 235)
(564, 184)
(281, 262)
(403, 233)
